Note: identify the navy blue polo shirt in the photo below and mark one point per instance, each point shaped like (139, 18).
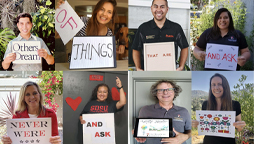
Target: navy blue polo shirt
(180, 116)
(149, 32)
(234, 38)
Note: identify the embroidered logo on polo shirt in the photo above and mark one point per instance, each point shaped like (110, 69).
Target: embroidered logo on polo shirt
(169, 36)
(178, 118)
(232, 39)
(150, 37)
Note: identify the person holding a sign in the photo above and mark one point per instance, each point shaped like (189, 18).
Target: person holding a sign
(101, 100)
(223, 33)
(30, 105)
(219, 99)
(24, 24)
(166, 92)
(157, 30)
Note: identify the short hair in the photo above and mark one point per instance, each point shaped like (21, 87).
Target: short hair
(24, 15)
(177, 88)
(164, 0)
(94, 93)
(22, 105)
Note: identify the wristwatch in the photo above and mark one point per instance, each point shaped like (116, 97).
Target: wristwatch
(120, 87)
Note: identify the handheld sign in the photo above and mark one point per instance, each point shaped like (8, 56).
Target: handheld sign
(153, 128)
(216, 123)
(221, 56)
(99, 128)
(159, 56)
(29, 130)
(67, 22)
(93, 52)
(26, 52)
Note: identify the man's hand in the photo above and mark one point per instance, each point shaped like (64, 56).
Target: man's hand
(10, 57)
(241, 60)
(178, 139)
(43, 53)
(140, 140)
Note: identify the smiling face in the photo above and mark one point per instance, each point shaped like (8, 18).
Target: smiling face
(165, 96)
(24, 26)
(105, 14)
(223, 21)
(216, 87)
(159, 9)
(32, 97)
(102, 93)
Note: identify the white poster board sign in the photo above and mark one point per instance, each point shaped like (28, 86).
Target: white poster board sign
(221, 56)
(216, 123)
(93, 52)
(67, 22)
(26, 52)
(99, 128)
(29, 130)
(159, 56)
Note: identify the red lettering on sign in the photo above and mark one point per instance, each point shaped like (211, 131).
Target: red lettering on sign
(42, 132)
(68, 21)
(107, 134)
(152, 55)
(94, 124)
(97, 134)
(65, 13)
(167, 54)
(36, 124)
(22, 124)
(27, 133)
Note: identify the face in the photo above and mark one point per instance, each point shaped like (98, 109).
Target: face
(223, 21)
(165, 96)
(159, 9)
(24, 26)
(104, 15)
(216, 87)
(102, 93)
(32, 97)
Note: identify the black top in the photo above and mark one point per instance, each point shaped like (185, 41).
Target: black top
(235, 38)
(222, 140)
(149, 32)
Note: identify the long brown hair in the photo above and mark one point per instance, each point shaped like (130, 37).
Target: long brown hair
(93, 24)
(226, 100)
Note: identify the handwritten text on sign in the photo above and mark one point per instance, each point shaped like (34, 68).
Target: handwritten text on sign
(99, 128)
(221, 56)
(67, 22)
(216, 123)
(93, 52)
(26, 51)
(29, 130)
(159, 56)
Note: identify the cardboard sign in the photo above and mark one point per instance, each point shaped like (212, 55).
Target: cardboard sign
(216, 123)
(93, 52)
(29, 130)
(99, 128)
(26, 52)
(159, 56)
(221, 56)
(67, 22)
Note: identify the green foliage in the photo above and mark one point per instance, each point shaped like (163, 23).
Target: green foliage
(6, 35)
(51, 83)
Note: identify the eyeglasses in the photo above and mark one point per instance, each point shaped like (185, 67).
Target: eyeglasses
(165, 90)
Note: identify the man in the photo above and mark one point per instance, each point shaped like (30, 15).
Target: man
(159, 29)
(166, 91)
(24, 23)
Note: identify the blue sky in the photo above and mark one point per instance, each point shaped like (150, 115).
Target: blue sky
(201, 79)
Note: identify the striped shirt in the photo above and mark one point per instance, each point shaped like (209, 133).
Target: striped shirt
(82, 32)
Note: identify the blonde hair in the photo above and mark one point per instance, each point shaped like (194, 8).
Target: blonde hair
(22, 105)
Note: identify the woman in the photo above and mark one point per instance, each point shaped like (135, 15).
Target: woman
(101, 96)
(30, 105)
(220, 99)
(223, 32)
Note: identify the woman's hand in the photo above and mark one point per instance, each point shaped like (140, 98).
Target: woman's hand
(140, 140)
(55, 140)
(241, 60)
(199, 53)
(239, 125)
(6, 140)
(59, 3)
(194, 123)
(118, 82)
(81, 120)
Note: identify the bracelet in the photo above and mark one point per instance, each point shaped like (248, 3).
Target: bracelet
(120, 87)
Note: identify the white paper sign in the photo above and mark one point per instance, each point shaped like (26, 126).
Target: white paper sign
(159, 56)
(67, 22)
(99, 129)
(221, 56)
(93, 52)
(26, 52)
(216, 123)
(29, 130)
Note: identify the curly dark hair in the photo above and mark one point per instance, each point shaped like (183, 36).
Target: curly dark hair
(94, 93)
(177, 88)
